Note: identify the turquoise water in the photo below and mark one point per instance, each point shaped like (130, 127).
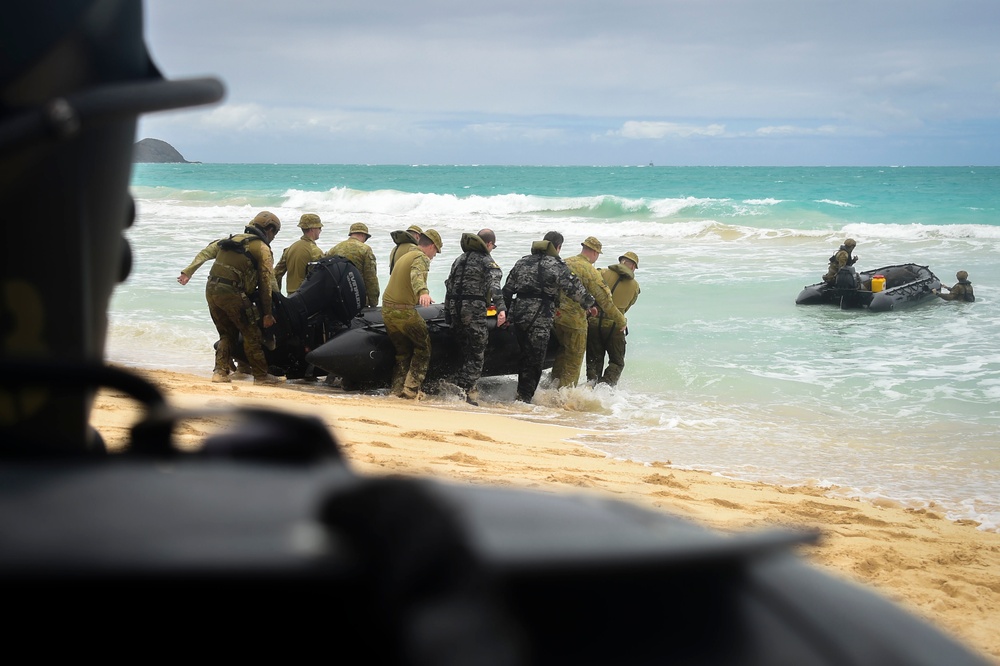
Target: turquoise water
(724, 372)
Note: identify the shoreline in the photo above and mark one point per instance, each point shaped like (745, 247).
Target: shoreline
(946, 572)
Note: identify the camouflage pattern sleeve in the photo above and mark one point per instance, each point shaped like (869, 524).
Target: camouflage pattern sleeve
(211, 251)
(419, 270)
(265, 276)
(281, 268)
(496, 295)
(371, 278)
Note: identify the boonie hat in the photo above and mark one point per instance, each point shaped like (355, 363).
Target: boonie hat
(310, 221)
(414, 228)
(433, 237)
(593, 244)
(630, 255)
(359, 228)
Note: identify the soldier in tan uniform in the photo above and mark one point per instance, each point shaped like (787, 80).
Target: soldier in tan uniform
(356, 250)
(570, 324)
(297, 256)
(603, 337)
(405, 241)
(962, 291)
(407, 330)
(244, 266)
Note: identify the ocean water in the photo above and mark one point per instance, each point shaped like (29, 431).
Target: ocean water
(724, 372)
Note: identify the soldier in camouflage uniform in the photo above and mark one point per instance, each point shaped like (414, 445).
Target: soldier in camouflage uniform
(962, 291)
(840, 258)
(570, 324)
(407, 330)
(531, 293)
(603, 338)
(355, 249)
(297, 256)
(405, 241)
(472, 286)
(243, 266)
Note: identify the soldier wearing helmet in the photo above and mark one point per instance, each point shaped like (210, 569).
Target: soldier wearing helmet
(840, 259)
(243, 269)
(962, 291)
(356, 250)
(297, 256)
(603, 338)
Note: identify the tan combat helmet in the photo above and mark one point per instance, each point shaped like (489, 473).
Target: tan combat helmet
(961, 275)
(265, 219)
(850, 242)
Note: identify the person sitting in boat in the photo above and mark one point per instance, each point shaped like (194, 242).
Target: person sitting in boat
(840, 259)
(962, 291)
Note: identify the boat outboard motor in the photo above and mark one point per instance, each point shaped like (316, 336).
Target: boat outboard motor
(74, 76)
(847, 278)
(334, 287)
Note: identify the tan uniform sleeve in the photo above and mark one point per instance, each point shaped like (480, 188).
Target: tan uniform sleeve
(211, 251)
(598, 288)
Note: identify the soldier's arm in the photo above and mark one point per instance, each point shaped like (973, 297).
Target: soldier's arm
(571, 285)
(211, 251)
(265, 278)
(418, 278)
(495, 293)
(371, 279)
(281, 268)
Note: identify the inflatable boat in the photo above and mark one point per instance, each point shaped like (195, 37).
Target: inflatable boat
(323, 329)
(878, 290)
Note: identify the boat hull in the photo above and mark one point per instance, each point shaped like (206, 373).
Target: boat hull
(906, 285)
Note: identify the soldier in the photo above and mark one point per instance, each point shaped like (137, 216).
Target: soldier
(243, 266)
(407, 330)
(405, 241)
(962, 291)
(602, 335)
(355, 249)
(297, 256)
(570, 324)
(472, 286)
(531, 293)
(840, 258)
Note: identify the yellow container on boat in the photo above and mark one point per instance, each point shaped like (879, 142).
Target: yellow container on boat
(878, 283)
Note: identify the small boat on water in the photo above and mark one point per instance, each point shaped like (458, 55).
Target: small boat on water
(878, 290)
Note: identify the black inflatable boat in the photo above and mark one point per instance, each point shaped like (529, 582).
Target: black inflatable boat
(878, 290)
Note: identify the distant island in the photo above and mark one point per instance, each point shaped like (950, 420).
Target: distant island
(160, 152)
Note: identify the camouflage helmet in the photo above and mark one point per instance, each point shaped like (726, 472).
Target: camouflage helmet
(962, 275)
(310, 221)
(266, 219)
(359, 228)
(593, 244)
(850, 242)
(433, 237)
(631, 256)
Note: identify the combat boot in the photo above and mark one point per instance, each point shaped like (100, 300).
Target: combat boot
(268, 380)
(220, 378)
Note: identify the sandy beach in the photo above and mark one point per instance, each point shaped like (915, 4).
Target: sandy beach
(946, 572)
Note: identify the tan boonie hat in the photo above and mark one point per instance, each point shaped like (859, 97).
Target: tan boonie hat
(359, 228)
(310, 221)
(630, 255)
(593, 244)
(433, 237)
(266, 218)
(414, 228)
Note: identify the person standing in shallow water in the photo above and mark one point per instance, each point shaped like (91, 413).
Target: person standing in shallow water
(531, 293)
(603, 338)
(962, 291)
(472, 286)
(570, 323)
(297, 256)
(407, 330)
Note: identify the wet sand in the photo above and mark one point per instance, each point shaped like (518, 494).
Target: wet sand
(943, 571)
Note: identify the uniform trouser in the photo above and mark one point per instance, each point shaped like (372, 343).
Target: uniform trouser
(232, 313)
(468, 324)
(605, 338)
(408, 332)
(569, 357)
(533, 339)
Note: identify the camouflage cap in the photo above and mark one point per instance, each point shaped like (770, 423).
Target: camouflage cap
(359, 228)
(433, 237)
(593, 244)
(631, 256)
(266, 218)
(415, 229)
(310, 221)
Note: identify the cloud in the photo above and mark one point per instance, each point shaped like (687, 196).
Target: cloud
(640, 129)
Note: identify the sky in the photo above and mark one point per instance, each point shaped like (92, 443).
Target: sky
(584, 82)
